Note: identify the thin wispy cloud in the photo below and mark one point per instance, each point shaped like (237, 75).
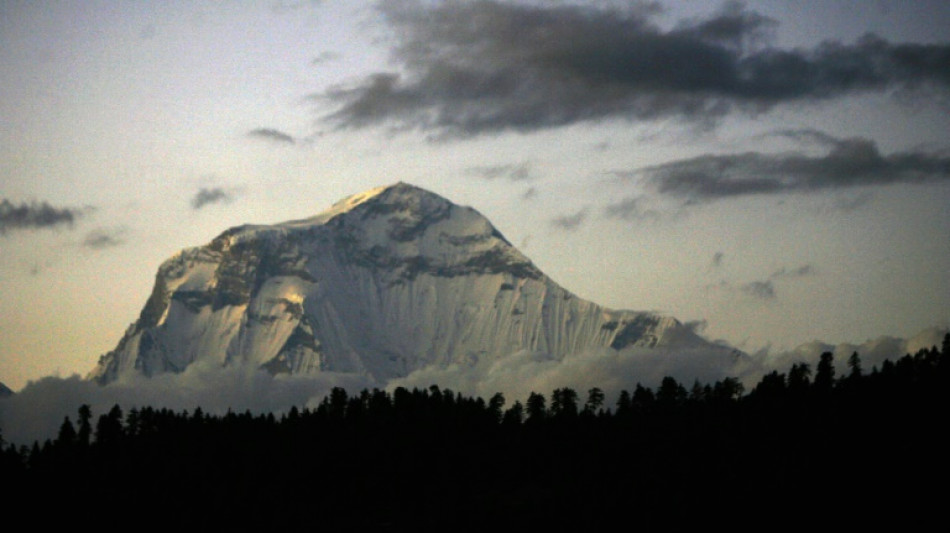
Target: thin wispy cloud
(271, 134)
(807, 136)
(851, 202)
(34, 215)
(850, 163)
(483, 67)
(763, 290)
(633, 208)
(570, 222)
(791, 273)
(103, 238)
(37, 410)
(326, 57)
(284, 6)
(512, 172)
(207, 196)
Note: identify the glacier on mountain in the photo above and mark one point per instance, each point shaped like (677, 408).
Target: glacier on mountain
(383, 284)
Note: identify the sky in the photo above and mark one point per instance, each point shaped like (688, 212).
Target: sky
(776, 172)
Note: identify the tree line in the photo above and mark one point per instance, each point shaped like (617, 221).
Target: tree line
(377, 459)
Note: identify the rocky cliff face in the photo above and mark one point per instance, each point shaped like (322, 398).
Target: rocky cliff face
(383, 283)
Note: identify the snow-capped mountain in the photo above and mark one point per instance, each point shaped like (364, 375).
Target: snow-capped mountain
(383, 283)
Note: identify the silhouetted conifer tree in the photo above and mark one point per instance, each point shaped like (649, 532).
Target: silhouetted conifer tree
(536, 408)
(670, 393)
(770, 387)
(564, 403)
(825, 375)
(67, 434)
(727, 390)
(85, 425)
(109, 426)
(799, 378)
(697, 393)
(336, 408)
(624, 404)
(595, 401)
(854, 363)
(643, 399)
(514, 415)
(495, 405)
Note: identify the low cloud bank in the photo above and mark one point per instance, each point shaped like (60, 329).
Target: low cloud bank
(610, 370)
(872, 352)
(36, 412)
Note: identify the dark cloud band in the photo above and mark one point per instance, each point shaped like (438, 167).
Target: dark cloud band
(850, 163)
(763, 290)
(272, 134)
(34, 215)
(471, 68)
(519, 172)
(570, 222)
(103, 238)
(207, 196)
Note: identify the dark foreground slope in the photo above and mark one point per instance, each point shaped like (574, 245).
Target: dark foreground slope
(801, 448)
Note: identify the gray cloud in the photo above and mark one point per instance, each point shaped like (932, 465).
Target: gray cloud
(102, 238)
(630, 209)
(570, 222)
(326, 57)
(284, 6)
(850, 203)
(519, 172)
(763, 290)
(808, 136)
(873, 352)
(476, 67)
(760, 289)
(36, 411)
(784, 273)
(207, 196)
(34, 215)
(272, 134)
(850, 163)
(697, 326)
(529, 193)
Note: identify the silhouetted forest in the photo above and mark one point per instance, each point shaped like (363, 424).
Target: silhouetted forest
(823, 446)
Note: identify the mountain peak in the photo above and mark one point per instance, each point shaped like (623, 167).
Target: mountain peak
(395, 192)
(385, 282)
